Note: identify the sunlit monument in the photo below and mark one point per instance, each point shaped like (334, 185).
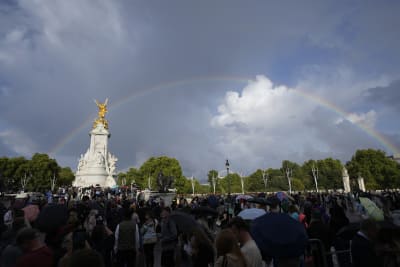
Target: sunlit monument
(97, 165)
(360, 181)
(346, 180)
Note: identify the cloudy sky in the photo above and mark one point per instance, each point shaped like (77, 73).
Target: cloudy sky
(256, 82)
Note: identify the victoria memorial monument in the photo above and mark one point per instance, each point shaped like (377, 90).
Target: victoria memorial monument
(97, 165)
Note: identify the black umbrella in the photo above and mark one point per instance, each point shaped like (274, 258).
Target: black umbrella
(213, 201)
(184, 222)
(259, 200)
(52, 217)
(279, 236)
(262, 195)
(349, 231)
(204, 211)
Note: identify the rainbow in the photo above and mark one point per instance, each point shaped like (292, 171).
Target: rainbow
(383, 141)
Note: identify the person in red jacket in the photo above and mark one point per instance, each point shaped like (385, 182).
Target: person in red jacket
(36, 253)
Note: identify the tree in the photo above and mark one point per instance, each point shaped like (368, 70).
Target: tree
(277, 180)
(168, 166)
(255, 182)
(33, 174)
(212, 177)
(308, 179)
(330, 173)
(297, 184)
(132, 176)
(41, 168)
(379, 171)
(236, 186)
(12, 172)
(291, 170)
(65, 177)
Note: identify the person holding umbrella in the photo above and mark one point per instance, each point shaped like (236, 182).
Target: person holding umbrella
(285, 246)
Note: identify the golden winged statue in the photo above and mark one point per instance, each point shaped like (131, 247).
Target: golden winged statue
(101, 114)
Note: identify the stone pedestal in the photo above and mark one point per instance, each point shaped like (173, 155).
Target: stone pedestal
(346, 184)
(97, 165)
(166, 197)
(361, 185)
(346, 180)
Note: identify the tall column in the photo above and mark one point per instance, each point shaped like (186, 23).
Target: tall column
(361, 184)
(346, 180)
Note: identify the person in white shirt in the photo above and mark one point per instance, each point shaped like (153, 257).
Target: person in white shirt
(248, 246)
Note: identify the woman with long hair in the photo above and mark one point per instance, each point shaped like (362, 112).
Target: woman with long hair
(228, 250)
(102, 240)
(202, 249)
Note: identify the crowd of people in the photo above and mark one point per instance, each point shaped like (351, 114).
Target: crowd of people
(100, 228)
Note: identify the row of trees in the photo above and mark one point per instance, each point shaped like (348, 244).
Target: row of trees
(40, 173)
(378, 170)
(146, 175)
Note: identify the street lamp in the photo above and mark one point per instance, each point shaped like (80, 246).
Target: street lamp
(192, 185)
(265, 179)
(229, 179)
(229, 190)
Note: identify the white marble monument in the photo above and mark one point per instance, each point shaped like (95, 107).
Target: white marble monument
(346, 180)
(97, 165)
(360, 181)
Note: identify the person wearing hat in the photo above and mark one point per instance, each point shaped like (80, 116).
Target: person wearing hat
(274, 204)
(36, 253)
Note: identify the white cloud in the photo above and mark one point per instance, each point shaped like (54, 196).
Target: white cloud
(263, 121)
(367, 119)
(260, 105)
(266, 123)
(57, 55)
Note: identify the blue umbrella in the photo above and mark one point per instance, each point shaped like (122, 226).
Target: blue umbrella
(251, 214)
(213, 201)
(278, 235)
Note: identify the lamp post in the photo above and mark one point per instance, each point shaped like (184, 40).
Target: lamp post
(192, 185)
(229, 179)
(229, 190)
(265, 179)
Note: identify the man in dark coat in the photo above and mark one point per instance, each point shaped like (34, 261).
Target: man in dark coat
(362, 246)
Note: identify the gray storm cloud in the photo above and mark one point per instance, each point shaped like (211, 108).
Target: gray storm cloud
(57, 56)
